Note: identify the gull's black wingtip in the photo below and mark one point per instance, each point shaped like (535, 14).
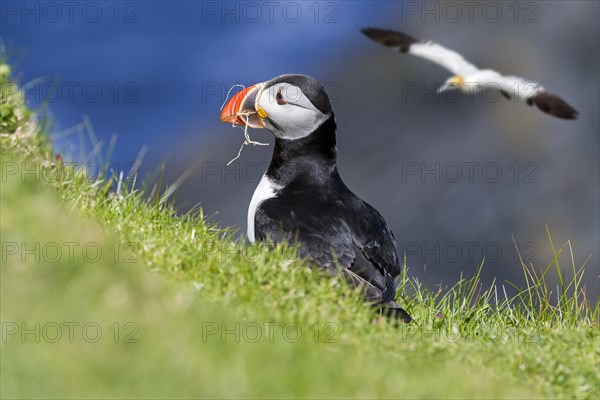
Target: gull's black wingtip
(553, 105)
(390, 38)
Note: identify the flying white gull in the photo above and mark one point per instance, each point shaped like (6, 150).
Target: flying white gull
(468, 78)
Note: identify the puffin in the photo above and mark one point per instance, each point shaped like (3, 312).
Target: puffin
(470, 79)
(301, 198)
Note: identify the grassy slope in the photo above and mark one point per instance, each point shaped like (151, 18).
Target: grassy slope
(188, 277)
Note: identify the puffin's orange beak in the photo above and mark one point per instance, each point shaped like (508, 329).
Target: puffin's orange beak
(241, 108)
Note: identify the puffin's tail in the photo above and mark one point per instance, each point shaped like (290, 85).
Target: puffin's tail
(390, 308)
(382, 299)
(393, 310)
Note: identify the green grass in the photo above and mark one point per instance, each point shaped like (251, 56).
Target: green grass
(179, 303)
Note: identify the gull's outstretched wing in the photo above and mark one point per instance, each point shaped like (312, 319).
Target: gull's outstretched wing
(429, 50)
(533, 93)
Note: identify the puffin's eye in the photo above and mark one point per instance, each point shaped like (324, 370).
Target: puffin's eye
(279, 98)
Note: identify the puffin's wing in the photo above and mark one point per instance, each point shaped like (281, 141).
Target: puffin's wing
(429, 50)
(533, 93)
(363, 247)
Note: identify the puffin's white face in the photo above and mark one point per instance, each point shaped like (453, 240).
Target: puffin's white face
(286, 111)
(280, 106)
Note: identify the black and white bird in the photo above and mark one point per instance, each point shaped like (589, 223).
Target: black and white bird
(470, 79)
(302, 199)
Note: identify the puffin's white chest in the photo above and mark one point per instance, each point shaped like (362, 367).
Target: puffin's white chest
(266, 189)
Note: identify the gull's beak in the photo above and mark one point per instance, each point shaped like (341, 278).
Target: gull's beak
(242, 110)
(456, 82)
(447, 86)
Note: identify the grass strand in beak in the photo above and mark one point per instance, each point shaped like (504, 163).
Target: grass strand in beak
(247, 139)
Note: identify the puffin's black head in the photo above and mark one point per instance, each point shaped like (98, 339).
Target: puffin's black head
(290, 106)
